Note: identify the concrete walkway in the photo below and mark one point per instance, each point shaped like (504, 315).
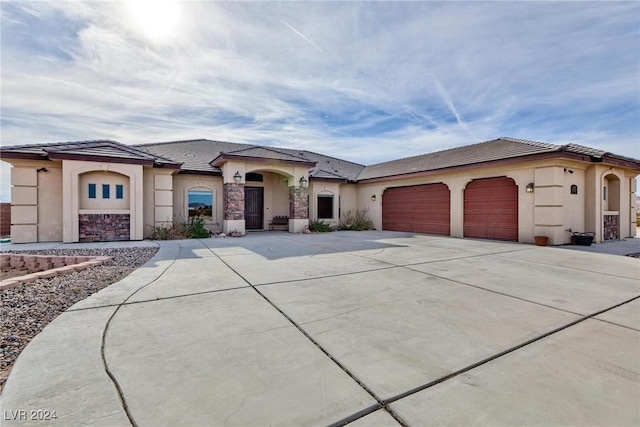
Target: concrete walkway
(369, 329)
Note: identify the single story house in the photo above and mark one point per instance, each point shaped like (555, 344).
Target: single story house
(504, 189)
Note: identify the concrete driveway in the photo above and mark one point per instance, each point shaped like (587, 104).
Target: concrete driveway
(365, 329)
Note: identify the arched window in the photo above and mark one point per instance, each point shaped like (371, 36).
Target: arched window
(200, 203)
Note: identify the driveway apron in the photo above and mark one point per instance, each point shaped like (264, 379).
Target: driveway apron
(370, 328)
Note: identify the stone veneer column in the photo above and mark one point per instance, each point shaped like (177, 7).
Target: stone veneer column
(298, 209)
(233, 208)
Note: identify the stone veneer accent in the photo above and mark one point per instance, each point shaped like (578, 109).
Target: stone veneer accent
(610, 227)
(233, 201)
(104, 227)
(298, 203)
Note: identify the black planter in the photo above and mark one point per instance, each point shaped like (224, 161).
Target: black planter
(582, 239)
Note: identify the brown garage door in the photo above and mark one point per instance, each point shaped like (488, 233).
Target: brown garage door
(418, 209)
(491, 209)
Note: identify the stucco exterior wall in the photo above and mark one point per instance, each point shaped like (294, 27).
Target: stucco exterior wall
(182, 184)
(632, 224)
(549, 210)
(158, 198)
(36, 200)
(99, 179)
(349, 198)
(329, 189)
(73, 170)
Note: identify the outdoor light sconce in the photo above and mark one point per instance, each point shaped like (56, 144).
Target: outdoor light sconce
(373, 197)
(41, 170)
(237, 177)
(303, 182)
(530, 187)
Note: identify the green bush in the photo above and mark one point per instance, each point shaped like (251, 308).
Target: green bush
(193, 228)
(356, 219)
(319, 226)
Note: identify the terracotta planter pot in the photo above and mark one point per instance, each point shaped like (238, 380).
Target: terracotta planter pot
(541, 240)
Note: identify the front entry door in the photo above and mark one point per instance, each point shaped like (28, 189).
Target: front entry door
(254, 208)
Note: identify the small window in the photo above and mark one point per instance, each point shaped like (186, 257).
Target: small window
(106, 193)
(253, 177)
(200, 204)
(119, 191)
(574, 189)
(604, 193)
(92, 191)
(325, 206)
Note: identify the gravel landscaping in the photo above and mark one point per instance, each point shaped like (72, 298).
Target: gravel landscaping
(27, 308)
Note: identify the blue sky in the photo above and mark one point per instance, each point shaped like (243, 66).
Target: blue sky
(364, 81)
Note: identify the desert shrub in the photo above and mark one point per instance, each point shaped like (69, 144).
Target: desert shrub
(319, 226)
(193, 228)
(356, 219)
(196, 229)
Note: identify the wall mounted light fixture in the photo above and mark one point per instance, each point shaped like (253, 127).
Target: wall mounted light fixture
(373, 197)
(42, 170)
(303, 182)
(237, 178)
(530, 187)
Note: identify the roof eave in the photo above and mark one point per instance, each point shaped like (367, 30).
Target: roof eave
(197, 172)
(499, 162)
(334, 180)
(22, 156)
(224, 157)
(620, 161)
(97, 158)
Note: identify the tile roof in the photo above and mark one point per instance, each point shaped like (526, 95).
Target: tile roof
(497, 149)
(197, 154)
(266, 153)
(97, 148)
(325, 174)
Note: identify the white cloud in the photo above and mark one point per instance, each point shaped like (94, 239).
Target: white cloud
(365, 81)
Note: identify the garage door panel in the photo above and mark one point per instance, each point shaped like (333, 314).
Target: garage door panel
(418, 209)
(491, 209)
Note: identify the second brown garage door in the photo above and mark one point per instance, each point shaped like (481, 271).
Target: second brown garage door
(418, 209)
(491, 209)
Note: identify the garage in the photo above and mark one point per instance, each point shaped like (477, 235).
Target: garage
(491, 209)
(418, 209)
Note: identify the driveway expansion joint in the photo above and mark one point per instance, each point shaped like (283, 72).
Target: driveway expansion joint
(103, 343)
(380, 404)
(505, 352)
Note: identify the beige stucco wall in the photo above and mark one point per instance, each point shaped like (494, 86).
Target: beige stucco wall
(632, 224)
(158, 198)
(348, 198)
(99, 178)
(72, 172)
(620, 199)
(550, 210)
(36, 200)
(182, 184)
(328, 189)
